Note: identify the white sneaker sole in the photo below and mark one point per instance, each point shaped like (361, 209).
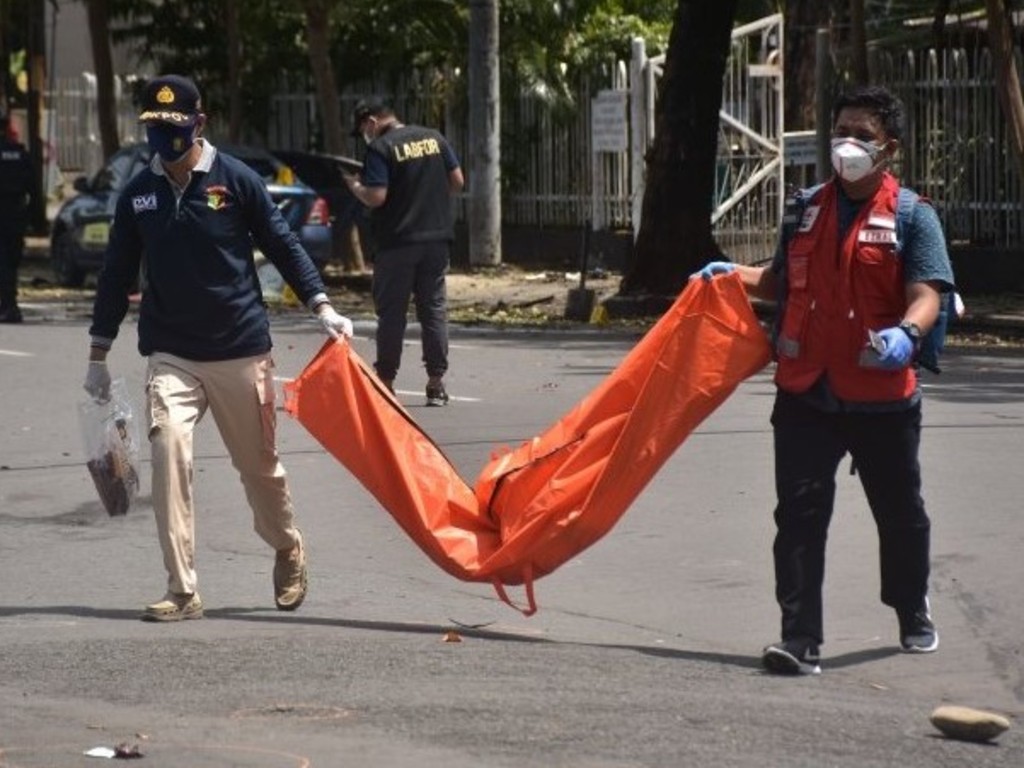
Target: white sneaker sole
(784, 663)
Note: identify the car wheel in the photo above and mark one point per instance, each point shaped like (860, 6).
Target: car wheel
(62, 255)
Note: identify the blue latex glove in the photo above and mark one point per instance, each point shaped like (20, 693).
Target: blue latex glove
(899, 349)
(713, 268)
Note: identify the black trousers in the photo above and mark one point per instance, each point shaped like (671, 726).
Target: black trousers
(416, 271)
(809, 444)
(12, 246)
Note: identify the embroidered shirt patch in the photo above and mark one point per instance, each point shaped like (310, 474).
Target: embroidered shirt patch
(877, 236)
(218, 197)
(142, 203)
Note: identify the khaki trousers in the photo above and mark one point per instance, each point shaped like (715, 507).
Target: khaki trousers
(240, 395)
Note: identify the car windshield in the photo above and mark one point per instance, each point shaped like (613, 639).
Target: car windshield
(263, 166)
(270, 169)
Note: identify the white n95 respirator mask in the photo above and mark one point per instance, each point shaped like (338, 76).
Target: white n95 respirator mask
(853, 159)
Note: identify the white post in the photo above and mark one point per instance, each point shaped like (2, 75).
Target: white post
(638, 130)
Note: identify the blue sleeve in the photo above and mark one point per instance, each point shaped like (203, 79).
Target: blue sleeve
(925, 258)
(278, 241)
(120, 270)
(451, 161)
(375, 169)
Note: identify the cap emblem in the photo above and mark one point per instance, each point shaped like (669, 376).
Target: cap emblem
(165, 95)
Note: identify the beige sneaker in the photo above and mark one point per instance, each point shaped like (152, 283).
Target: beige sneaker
(174, 608)
(290, 580)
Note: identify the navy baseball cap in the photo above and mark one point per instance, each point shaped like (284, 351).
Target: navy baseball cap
(171, 99)
(368, 108)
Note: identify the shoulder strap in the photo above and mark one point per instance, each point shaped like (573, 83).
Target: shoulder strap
(794, 210)
(905, 202)
(934, 341)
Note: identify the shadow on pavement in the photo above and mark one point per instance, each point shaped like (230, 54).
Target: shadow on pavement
(266, 616)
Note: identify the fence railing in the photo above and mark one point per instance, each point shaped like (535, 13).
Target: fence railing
(957, 152)
(72, 128)
(547, 175)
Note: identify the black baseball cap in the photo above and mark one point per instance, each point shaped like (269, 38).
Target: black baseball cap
(365, 108)
(171, 99)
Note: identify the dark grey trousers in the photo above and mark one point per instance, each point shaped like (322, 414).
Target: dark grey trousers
(12, 245)
(417, 272)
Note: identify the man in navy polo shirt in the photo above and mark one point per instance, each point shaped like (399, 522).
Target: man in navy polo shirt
(189, 221)
(409, 175)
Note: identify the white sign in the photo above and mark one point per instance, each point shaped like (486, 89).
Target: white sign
(609, 129)
(800, 147)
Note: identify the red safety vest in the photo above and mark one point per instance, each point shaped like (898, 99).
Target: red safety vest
(836, 292)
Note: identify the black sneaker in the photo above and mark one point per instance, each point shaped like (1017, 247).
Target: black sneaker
(917, 630)
(798, 656)
(10, 315)
(436, 395)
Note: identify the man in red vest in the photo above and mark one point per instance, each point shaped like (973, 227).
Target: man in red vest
(857, 288)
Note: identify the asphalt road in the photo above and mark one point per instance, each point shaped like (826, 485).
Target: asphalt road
(645, 651)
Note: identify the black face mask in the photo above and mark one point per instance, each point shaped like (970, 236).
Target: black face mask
(171, 142)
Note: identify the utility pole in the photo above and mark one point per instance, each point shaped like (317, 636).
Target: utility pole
(484, 176)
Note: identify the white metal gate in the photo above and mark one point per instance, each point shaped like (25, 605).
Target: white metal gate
(748, 194)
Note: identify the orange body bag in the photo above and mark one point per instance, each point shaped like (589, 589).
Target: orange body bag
(539, 505)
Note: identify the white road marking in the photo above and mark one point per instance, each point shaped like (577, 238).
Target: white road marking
(15, 353)
(406, 392)
(451, 397)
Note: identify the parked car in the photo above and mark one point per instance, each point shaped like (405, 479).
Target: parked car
(324, 173)
(82, 225)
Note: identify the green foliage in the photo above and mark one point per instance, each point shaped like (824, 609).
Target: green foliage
(375, 39)
(189, 38)
(545, 44)
(605, 36)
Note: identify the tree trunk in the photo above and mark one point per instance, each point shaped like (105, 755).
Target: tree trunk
(939, 23)
(36, 63)
(1000, 40)
(233, 36)
(484, 134)
(803, 19)
(98, 14)
(675, 223)
(345, 244)
(858, 43)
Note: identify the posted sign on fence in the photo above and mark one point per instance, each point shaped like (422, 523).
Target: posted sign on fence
(609, 135)
(609, 129)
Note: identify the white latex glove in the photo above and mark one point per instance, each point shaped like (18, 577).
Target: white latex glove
(336, 325)
(97, 380)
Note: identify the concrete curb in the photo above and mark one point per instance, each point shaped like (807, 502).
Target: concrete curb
(1000, 322)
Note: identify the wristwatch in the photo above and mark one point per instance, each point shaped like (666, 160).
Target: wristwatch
(913, 330)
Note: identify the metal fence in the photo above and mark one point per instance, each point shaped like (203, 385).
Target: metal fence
(957, 151)
(547, 174)
(72, 128)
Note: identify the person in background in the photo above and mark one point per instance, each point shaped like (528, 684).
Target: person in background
(408, 178)
(191, 220)
(15, 193)
(855, 298)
